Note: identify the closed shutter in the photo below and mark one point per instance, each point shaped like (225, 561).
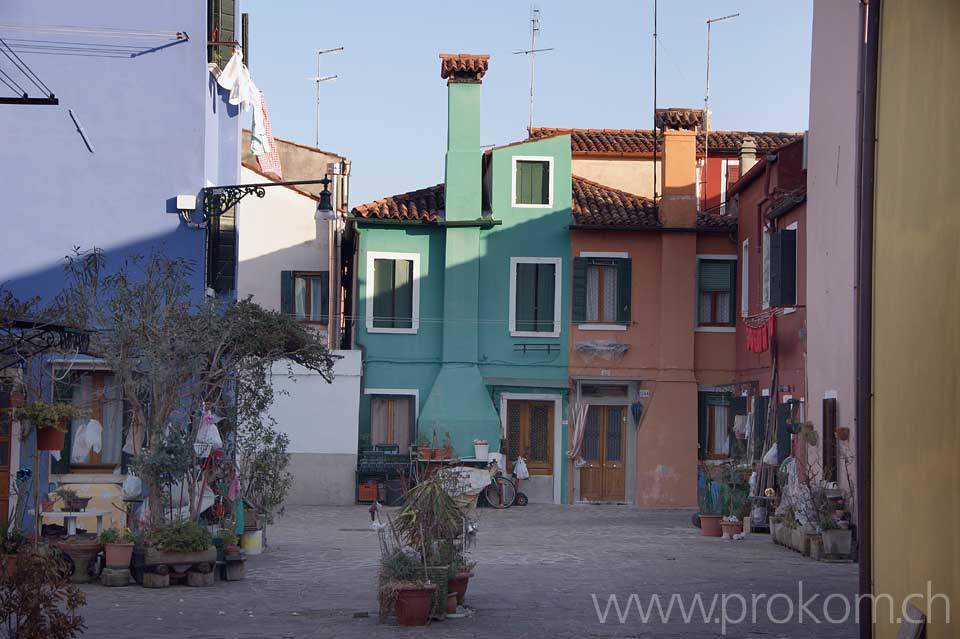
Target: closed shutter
(403, 294)
(783, 268)
(580, 289)
(222, 21)
(222, 252)
(525, 314)
(624, 289)
(383, 293)
(703, 438)
(546, 290)
(829, 439)
(533, 182)
(286, 293)
(714, 275)
(783, 432)
(325, 296)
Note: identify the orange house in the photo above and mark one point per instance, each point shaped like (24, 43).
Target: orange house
(653, 330)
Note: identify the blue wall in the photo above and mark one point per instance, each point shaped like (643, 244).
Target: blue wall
(158, 124)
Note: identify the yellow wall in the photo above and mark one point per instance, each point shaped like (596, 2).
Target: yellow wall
(633, 175)
(916, 315)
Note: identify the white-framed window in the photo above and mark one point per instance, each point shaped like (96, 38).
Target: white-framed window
(716, 290)
(393, 292)
(745, 279)
(532, 185)
(393, 416)
(535, 296)
(766, 269)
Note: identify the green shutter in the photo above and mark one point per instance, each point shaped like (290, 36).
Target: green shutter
(286, 293)
(546, 293)
(383, 293)
(715, 275)
(624, 289)
(732, 275)
(325, 296)
(403, 294)
(580, 289)
(526, 297)
(533, 183)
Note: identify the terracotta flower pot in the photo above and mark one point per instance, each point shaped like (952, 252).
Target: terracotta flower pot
(731, 528)
(425, 453)
(710, 526)
(9, 566)
(50, 438)
(118, 555)
(413, 605)
(458, 585)
(46, 505)
(451, 603)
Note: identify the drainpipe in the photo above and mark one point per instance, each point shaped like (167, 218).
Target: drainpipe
(870, 12)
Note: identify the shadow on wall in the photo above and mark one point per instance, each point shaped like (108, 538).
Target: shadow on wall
(181, 243)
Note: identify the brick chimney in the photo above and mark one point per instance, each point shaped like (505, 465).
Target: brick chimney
(463, 72)
(748, 154)
(679, 129)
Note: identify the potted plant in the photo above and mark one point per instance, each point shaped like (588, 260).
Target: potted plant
(459, 579)
(404, 588)
(50, 420)
(11, 540)
(837, 541)
(423, 447)
(118, 547)
(446, 451)
(71, 500)
(178, 543)
(709, 505)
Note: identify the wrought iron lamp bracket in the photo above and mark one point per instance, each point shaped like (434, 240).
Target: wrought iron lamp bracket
(218, 199)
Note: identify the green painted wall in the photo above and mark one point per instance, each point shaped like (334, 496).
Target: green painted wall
(466, 327)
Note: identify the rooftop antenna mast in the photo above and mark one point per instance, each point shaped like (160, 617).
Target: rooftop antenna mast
(532, 52)
(318, 79)
(656, 137)
(706, 108)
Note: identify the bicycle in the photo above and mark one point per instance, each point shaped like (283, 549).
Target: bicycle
(504, 492)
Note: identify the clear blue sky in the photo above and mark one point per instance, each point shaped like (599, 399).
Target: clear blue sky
(387, 110)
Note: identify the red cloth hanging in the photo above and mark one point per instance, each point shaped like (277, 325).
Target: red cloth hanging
(760, 337)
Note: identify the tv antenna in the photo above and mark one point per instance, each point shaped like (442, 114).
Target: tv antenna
(532, 52)
(706, 108)
(656, 139)
(318, 79)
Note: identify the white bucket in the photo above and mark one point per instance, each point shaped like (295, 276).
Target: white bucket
(481, 451)
(252, 542)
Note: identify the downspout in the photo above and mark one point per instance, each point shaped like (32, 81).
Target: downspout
(869, 64)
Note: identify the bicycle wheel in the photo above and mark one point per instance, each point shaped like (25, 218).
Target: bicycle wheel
(500, 494)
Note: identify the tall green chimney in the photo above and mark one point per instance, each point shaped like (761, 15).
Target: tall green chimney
(459, 403)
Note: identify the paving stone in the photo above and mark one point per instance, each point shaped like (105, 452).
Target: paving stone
(538, 569)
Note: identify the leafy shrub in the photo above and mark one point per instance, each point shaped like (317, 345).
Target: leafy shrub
(38, 600)
(116, 536)
(182, 536)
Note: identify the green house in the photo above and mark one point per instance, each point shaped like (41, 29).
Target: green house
(462, 298)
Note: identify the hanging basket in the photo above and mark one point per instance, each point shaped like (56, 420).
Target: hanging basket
(50, 438)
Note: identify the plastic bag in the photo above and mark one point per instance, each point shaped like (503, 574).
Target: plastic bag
(771, 456)
(87, 437)
(132, 487)
(520, 469)
(208, 437)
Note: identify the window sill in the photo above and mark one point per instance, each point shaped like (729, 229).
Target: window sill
(553, 335)
(396, 331)
(602, 327)
(716, 329)
(789, 309)
(533, 206)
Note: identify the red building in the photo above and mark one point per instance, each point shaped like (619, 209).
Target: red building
(769, 200)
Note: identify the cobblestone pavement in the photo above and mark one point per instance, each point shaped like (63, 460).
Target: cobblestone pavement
(538, 567)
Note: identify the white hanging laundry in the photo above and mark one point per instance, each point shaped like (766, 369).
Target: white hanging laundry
(236, 79)
(87, 437)
(260, 142)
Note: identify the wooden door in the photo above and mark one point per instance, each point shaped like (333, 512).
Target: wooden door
(530, 435)
(604, 448)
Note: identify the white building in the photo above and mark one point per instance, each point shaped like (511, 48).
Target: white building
(284, 263)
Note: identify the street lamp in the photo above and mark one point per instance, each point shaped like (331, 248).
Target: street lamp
(325, 208)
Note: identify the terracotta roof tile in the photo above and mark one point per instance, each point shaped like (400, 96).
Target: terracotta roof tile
(424, 204)
(598, 205)
(684, 119)
(639, 142)
(714, 222)
(463, 67)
